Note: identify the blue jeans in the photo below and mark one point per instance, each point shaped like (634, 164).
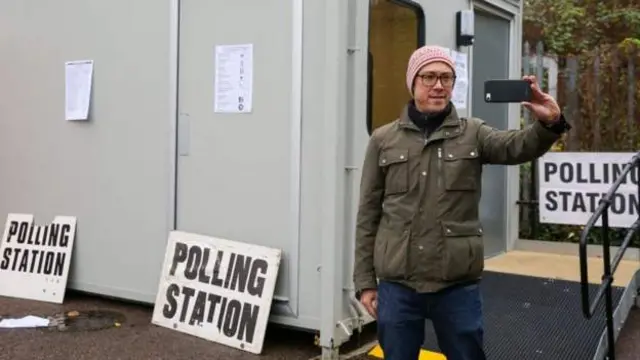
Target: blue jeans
(456, 314)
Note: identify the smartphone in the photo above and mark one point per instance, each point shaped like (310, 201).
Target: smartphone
(507, 91)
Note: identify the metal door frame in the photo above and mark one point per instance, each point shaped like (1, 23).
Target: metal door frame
(174, 56)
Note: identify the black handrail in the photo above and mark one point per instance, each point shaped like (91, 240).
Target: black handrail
(605, 288)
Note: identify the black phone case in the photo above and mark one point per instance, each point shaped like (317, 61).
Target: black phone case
(506, 91)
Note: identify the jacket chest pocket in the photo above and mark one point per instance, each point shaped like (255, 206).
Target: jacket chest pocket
(461, 169)
(395, 166)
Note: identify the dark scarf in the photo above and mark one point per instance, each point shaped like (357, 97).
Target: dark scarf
(428, 122)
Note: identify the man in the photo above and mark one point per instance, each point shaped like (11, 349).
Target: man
(417, 228)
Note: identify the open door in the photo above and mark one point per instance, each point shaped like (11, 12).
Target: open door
(396, 29)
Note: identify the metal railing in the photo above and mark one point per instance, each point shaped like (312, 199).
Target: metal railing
(605, 288)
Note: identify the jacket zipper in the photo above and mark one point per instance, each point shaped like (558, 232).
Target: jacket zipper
(439, 168)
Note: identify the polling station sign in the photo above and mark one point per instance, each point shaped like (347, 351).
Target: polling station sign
(35, 259)
(217, 289)
(573, 183)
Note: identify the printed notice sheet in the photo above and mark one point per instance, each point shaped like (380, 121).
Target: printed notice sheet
(78, 78)
(234, 78)
(461, 88)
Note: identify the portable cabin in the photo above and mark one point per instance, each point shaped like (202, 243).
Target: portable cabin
(157, 155)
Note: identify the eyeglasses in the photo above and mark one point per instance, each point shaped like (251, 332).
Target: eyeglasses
(430, 79)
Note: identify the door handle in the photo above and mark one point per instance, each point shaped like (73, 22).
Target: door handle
(184, 132)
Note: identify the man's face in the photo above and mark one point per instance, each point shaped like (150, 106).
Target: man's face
(433, 86)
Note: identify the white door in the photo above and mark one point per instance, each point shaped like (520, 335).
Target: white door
(237, 174)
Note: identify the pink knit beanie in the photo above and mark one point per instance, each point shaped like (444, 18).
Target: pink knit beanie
(423, 56)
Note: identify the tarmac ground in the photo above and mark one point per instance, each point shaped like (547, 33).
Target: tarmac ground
(136, 338)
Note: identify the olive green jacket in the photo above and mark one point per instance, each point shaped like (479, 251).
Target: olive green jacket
(417, 221)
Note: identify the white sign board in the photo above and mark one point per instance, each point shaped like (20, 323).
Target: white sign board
(35, 259)
(572, 184)
(217, 289)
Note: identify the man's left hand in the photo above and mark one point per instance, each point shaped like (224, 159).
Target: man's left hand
(543, 106)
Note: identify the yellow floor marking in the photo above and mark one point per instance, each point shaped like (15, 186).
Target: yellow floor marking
(424, 354)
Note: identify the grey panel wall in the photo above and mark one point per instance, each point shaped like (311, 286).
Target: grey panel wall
(111, 172)
(114, 173)
(441, 20)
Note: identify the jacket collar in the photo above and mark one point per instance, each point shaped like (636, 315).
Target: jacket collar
(451, 121)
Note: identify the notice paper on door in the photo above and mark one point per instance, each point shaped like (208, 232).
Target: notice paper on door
(234, 78)
(461, 89)
(78, 80)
